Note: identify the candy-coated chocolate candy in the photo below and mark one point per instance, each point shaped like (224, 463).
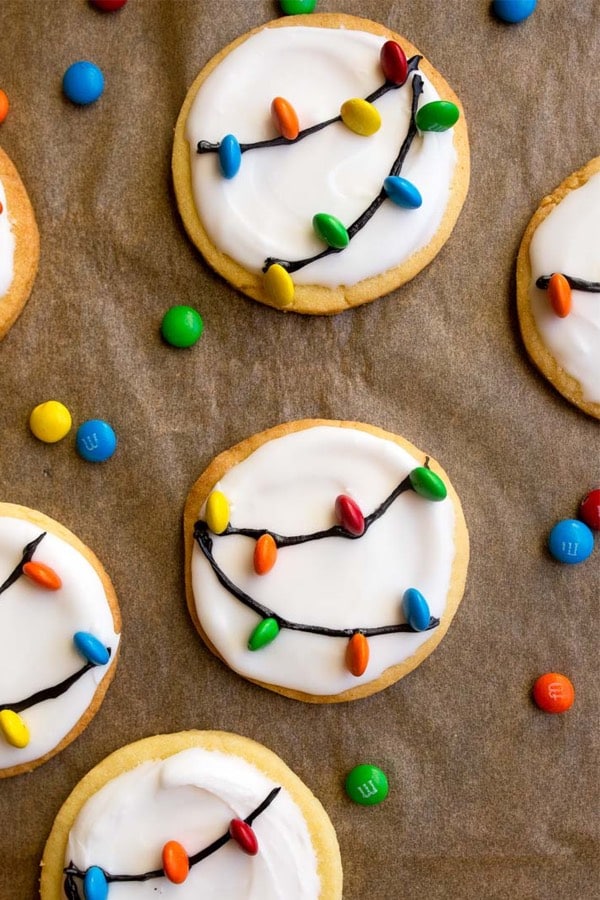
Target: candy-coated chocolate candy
(264, 633)
(243, 835)
(513, 10)
(402, 192)
(83, 82)
(14, 728)
(91, 648)
(357, 654)
(349, 515)
(43, 575)
(416, 609)
(217, 512)
(50, 421)
(589, 509)
(230, 156)
(394, 62)
(570, 541)
(360, 116)
(95, 440)
(265, 554)
(181, 326)
(367, 785)
(439, 115)
(4, 105)
(109, 5)
(95, 885)
(330, 230)
(559, 295)
(279, 286)
(175, 862)
(297, 7)
(428, 484)
(553, 692)
(285, 118)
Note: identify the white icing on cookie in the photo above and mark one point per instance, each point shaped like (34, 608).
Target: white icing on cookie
(267, 208)
(191, 798)
(36, 637)
(289, 486)
(7, 246)
(566, 242)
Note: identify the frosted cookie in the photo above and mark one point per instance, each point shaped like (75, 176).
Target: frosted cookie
(324, 560)
(19, 244)
(59, 637)
(558, 288)
(319, 162)
(198, 814)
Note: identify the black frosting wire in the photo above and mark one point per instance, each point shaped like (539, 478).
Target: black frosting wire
(205, 543)
(359, 223)
(62, 687)
(72, 871)
(578, 284)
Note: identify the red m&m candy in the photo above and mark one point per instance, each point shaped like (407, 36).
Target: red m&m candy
(108, 5)
(589, 509)
(553, 692)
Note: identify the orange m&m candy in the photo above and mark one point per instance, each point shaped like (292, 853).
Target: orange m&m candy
(3, 105)
(553, 692)
(559, 294)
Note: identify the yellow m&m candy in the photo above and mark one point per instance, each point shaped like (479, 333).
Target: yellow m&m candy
(50, 421)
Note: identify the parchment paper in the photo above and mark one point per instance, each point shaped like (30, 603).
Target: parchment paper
(490, 798)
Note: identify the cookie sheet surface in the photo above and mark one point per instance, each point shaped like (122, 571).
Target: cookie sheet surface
(485, 790)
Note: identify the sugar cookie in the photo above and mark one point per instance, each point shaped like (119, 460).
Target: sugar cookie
(558, 288)
(19, 244)
(289, 146)
(216, 814)
(59, 637)
(365, 569)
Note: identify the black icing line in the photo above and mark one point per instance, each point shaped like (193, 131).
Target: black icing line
(205, 543)
(209, 147)
(72, 871)
(28, 552)
(367, 215)
(50, 693)
(578, 284)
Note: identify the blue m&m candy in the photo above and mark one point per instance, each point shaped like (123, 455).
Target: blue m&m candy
(416, 609)
(83, 82)
(95, 440)
(513, 10)
(95, 885)
(570, 541)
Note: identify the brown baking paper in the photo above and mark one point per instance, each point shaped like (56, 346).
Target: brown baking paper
(489, 797)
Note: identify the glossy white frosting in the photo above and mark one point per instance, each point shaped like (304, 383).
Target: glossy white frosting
(567, 242)
(267, 208)
(36, 637)
(289, 486)
(191, 798)
(7, 246)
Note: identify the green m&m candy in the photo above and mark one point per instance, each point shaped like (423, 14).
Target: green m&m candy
(427, 484)
(297, 7)
(439, 115)
(181, 326)
(367, 785)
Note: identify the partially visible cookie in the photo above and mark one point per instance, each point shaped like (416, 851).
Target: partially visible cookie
(316, 121)
(213, 813)
(19, 244)
(59, 637)
(324, 559)
(558, 288)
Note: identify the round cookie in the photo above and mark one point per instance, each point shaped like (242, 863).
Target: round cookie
(560, 319)
(321, 611)
(262, 213)
(59, 637)
(19, 244)
(187, 788)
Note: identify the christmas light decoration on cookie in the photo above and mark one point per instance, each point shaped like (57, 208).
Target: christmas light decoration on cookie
(12, 726)
(352, 525)
(176, 864)
(559, 290)
(362, 117)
